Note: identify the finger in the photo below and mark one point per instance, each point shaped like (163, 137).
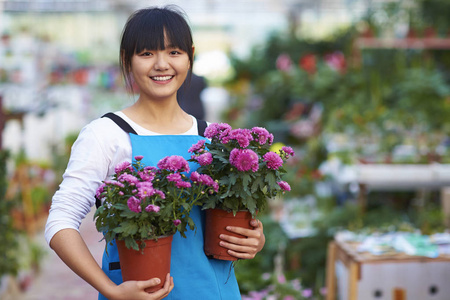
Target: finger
(149, 283)
(164, 291)
(245, 233)
(241, 255)
(256, 223)
(250, 247)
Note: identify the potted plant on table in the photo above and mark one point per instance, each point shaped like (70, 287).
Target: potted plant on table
(142, 208)
(248, 173)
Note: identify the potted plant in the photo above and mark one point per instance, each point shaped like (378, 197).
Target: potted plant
(143, 207)
(247, 171)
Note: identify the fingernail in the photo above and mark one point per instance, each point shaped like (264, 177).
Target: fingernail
(228, 227)
(158, 280)
(221, 236)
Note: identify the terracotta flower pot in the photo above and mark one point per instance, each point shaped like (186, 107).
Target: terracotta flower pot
(215, 223)
(153, 262)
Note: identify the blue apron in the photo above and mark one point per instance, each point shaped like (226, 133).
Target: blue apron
(195, 275)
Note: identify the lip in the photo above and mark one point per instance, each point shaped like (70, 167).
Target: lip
(170, 78)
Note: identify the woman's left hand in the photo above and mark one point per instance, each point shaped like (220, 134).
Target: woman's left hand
(247, 247)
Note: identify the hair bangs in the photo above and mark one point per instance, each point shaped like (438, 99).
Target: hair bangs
(172, 34)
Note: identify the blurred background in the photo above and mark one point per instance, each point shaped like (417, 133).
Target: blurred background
(359, 88)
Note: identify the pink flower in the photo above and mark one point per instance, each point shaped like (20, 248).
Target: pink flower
(174, 177)
(145, 189)
(182, 184)
(262, 135)
(176, 222)
(284, 62)
(123, 166)
(244, 159)
(307, 293)
(284, 186)
(195, 176)
(138, 157)
(152, 208)
(160, 194)
(115, 183)
(273, 160)
(336, 61)
(204, 159)
(130, 179)
(174, 163)
(100, 190)
(197, 147)
(242, 136)
(146, 175)
(134, 204)
(216, 130)
(288, 150)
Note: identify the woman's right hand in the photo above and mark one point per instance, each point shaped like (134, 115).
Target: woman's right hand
(135, 290)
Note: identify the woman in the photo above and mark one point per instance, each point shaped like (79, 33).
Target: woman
(156, 54)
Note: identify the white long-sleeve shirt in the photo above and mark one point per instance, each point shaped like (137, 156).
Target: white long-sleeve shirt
(100, 146)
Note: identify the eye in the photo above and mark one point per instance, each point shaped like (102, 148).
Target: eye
(176, 52)
(145, 53)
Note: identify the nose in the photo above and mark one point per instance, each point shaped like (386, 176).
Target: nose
(161, 63)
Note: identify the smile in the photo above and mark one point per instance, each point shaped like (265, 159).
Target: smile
(161, 78)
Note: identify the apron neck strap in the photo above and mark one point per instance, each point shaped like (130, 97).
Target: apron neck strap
(120, 122)
(201, 124)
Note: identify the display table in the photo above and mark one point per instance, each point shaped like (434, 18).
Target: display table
(394, 177)
(352, 275)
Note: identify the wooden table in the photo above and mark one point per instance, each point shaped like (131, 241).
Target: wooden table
(352, 275)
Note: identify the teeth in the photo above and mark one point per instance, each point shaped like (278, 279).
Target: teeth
(162, 78)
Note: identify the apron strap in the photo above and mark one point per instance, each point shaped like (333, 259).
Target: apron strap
(120, 122)
(201, 126)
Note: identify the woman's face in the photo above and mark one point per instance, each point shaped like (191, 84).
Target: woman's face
(160, 73)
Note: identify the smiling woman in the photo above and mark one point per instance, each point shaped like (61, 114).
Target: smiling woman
(156, 54)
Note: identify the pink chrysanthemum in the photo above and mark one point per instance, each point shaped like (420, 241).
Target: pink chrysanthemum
(195, 176)
(100, 190)
(115, 183)
(152, 208)
(176, 222)
(160, 194)
(130, 179)
(284, 186)
(174, 163)
(134, 204)
(242, 136)
(138, 157)
(197, 147)
(273, 160)
(174, 177)
(208, 181)
(262, 135)
(288, 150)
(204, 159)
(244, 160)
(145, 189)
(146, 175)
(182, 184)
(123, 166)
(217, 130)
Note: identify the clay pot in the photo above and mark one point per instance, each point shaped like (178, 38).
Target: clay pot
(215, 223)
(153, 261)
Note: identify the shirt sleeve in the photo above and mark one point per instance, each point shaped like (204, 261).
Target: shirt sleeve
(88, 166)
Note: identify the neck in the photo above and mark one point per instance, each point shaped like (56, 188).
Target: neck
(165, 117)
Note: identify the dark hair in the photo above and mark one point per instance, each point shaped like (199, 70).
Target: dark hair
(147, 29)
